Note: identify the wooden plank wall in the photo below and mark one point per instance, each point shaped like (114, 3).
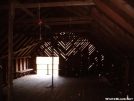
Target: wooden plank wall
(21, 64)
(18, 65)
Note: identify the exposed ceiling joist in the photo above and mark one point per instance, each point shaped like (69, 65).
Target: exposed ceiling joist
(69, 9)
(124, 6)
(57, 4)
(58, 19)
(28, 47)
(34, 44)
(119, 33)
(102, 43)
(109, 39)
(114, 16)
(30, 13)
(60, 23)
(111, 47)
(67, 23)
(56, 31)
(51, 4)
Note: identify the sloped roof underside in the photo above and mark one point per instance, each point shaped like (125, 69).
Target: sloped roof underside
(107, 24)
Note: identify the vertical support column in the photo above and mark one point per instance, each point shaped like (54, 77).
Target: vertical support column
(21, 64)
(10, 50)
(126, 75)
(47, 69)
(17, 66)
(22, 59)
(24, 63)
(14, 67)
(52, 65)
(27, 61)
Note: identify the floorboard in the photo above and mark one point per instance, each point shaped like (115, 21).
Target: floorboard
(37, 88)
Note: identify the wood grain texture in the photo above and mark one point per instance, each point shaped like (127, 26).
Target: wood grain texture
(35, 88)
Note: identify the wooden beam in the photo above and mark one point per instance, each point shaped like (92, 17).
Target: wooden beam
(72, 11)
(25, 9)
(55, 30)
(20, 54)
(58, 19)
(67, 19)
(27, 47)
(78, 11)
(60, 23)
(119, 34)
(34, 49)
(25, 53)
(124, 6)
(114, 16)
(98, 47)
(18, 39)
(10, 50)
(52, 4)
(28, 42)
(23, 49)
(56, 4)
(21, 43)
(108, 41)
(31, 14)
(5, 45)
(68, 23)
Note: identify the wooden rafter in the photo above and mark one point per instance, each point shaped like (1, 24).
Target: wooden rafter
(114, 16)
(104, 42)
(27, 47)
(118, 32)
(31, 14)
(24, 48)
(124, 6)
(108, 40)
(30, 41)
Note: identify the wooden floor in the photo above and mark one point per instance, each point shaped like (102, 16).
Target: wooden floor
(36, 88)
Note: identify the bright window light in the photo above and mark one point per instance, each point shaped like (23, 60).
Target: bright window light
(44, 65)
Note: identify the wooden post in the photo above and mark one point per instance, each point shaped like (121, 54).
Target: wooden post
(14, 68)
(17, 66)
(52, 66)
(47, 69)
(27, 64)
(24, 63)
(21, 66)
(10, 50)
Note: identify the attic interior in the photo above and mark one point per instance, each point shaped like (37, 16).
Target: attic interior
(92, 38)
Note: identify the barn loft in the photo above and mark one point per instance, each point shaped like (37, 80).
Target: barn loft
(93, 40)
